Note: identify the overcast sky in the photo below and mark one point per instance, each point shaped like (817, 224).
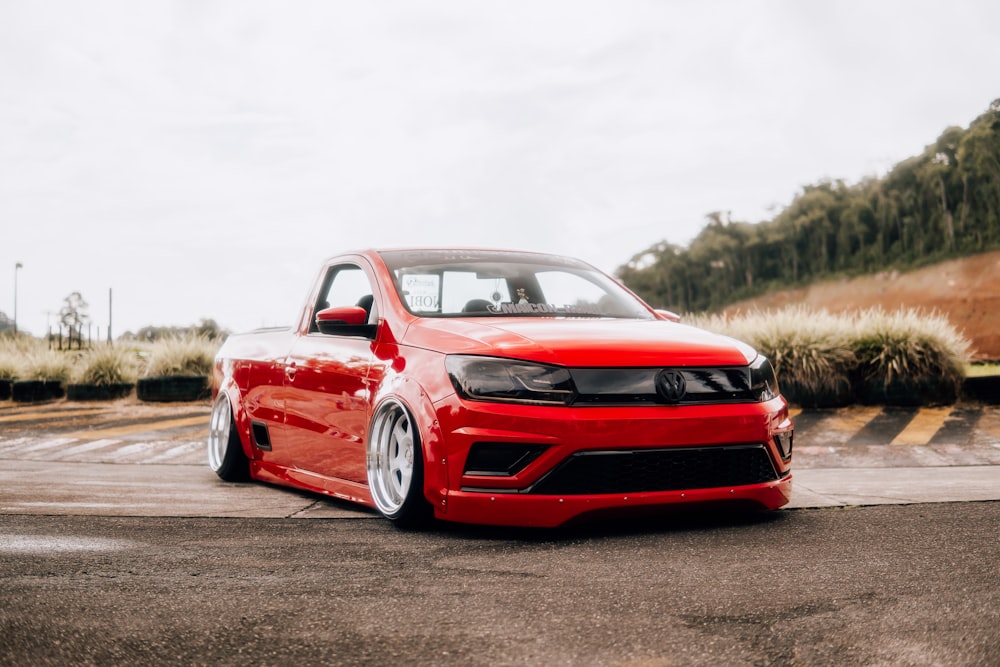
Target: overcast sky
(202, 158)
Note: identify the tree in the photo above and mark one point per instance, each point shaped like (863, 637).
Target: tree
(978, 158)
(941, 203)
(206, 328)
(209, 329)
(73, 314)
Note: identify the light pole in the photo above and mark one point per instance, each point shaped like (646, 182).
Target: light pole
(17, 267)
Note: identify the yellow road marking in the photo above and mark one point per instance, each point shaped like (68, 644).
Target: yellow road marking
(852, 419)
(922, 428)
(27, 416)
(793, 412)
(989, 424)
(139, 428)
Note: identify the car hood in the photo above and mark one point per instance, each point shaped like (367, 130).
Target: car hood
(581, 342)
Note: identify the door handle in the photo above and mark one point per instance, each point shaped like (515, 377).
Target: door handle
(290, 372)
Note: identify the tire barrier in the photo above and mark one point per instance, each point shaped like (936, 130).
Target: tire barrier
(98, 392)
(172, 388)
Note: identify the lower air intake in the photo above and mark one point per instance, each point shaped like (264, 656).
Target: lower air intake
(674, 469)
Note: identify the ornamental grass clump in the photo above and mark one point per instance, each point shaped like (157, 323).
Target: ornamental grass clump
(15, 353)
(181, 356)
(9, 365)
(8, 371)
(810, 350)
(106, 366)
(908, 357)
(48, 365)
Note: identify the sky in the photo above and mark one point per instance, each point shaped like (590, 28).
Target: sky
(173, 161)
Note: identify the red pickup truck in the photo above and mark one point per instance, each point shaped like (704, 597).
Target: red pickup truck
(497, 387)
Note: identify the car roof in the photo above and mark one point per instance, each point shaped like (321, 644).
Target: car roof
(429, 255)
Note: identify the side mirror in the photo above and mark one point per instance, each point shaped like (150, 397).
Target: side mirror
(345, 321)
(668, 315)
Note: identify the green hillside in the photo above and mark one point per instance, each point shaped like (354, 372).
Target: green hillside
(941, 204)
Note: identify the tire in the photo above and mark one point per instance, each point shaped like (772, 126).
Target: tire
(225, 451)
(396, 468)
(28, 391)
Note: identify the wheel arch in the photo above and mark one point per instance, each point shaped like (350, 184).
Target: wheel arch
(228, 386)
(416, 400)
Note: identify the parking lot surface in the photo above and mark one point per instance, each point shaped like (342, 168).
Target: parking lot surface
(118, 546)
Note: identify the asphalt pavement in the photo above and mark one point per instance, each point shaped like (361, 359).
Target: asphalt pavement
(118, 546)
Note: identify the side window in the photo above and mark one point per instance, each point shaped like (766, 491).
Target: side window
(345, 285)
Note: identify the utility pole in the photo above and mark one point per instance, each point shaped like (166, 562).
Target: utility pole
(17, 267)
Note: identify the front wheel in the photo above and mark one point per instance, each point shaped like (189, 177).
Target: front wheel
(395, 466)
(225, 451)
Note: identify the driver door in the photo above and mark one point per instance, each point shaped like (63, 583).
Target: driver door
(327, 389)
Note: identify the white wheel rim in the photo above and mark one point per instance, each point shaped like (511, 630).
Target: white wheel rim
(391, 457)
(218, 432)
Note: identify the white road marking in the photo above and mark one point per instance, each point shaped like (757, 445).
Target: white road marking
(82, 448)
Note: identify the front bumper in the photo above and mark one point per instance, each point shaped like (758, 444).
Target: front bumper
(682, 455)
(551, 511)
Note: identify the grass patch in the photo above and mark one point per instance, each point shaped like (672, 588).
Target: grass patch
(14, 352)
(181, 356)
(107, 365)
(810, 351)
(27, 358)
(8, 367)
(908, 357)
(48, 365)
(904, 357)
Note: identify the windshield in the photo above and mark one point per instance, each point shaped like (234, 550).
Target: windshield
(482, 283)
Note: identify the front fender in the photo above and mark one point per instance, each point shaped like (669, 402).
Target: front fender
(225, 380)
(413, 396)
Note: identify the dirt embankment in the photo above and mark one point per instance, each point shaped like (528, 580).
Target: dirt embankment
(966, 290)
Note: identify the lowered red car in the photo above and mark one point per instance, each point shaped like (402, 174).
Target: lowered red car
(496, 387)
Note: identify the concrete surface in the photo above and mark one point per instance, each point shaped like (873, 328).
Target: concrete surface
(122, 459)
(832, 487)
(101, 489)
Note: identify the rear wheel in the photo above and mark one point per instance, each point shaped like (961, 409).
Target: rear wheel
(395, 466)
(225, 451)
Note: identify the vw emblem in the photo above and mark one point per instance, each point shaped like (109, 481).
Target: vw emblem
(670, 385)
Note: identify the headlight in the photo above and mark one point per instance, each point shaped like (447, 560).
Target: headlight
(509, 381)
(763, 381)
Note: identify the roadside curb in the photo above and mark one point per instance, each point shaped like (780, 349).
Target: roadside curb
(845, 487)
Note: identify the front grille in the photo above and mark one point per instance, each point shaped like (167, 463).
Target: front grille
(674, 469)
(637, 386)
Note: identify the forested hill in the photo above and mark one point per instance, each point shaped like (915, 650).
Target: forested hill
(941, 204)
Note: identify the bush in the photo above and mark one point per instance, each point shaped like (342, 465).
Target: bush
(824, 360)
(8, 371)
(106, 366)
(49, 365)
(810, 352)
(13, 353)
(181, 356)
(8, 367)
(908, 358)
(28, 361)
